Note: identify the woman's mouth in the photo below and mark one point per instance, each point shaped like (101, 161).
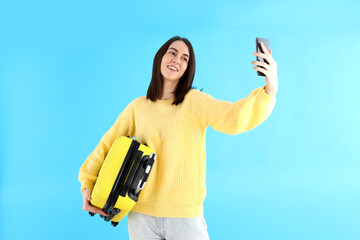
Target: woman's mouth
(172, 68)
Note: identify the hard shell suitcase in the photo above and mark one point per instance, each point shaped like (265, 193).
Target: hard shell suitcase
(122, 176)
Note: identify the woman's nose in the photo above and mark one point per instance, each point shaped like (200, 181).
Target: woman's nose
(175, 60)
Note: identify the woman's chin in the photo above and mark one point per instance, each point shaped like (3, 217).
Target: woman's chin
(171, 79)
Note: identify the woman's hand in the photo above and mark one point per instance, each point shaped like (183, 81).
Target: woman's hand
(270, 70)
(86, 204)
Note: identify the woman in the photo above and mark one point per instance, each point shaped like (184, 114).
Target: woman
(172, 120)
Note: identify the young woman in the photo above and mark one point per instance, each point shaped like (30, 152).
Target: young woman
(172, 120)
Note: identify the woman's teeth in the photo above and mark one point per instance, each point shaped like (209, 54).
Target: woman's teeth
(173, 69)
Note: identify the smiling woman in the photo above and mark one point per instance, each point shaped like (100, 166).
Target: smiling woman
(173, 66)
(172, 120)
(167, 83)
(175, 61)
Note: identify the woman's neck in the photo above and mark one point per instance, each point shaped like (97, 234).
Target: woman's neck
(168, 89)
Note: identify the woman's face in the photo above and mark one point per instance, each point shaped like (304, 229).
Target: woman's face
(175, 61)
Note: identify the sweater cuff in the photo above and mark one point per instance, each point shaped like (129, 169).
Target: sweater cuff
(264, 91)
(87, 184)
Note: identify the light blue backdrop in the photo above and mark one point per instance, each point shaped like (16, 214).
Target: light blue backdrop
(68, 69)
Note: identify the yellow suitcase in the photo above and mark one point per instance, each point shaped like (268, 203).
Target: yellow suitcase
(122, 176)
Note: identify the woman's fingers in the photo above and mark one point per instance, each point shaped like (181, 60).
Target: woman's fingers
(89, 208)
(96, 210)
(264, 71)
(266, 68)
(264, 48)
(267, 57)
(263, 64)
(262, 55)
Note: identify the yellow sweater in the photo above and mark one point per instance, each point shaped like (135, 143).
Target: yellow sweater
(176, 185)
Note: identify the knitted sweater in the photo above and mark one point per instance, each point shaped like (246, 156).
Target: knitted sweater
(176, 185)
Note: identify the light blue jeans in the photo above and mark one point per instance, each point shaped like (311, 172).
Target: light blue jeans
(143, 226)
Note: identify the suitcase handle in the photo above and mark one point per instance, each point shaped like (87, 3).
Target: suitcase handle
(141, 176)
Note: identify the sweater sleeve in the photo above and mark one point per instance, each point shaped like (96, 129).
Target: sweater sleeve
(233, 118)
(123, 126)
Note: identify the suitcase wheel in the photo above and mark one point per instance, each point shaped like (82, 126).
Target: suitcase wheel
(91, 214)
(114, 223)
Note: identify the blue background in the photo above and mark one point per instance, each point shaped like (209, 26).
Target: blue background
(69, 68)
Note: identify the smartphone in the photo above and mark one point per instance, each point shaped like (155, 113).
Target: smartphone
(259, 49)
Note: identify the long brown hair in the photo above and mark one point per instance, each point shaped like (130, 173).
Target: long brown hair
(155, 89)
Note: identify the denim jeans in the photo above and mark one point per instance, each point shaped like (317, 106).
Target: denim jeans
(143, 226)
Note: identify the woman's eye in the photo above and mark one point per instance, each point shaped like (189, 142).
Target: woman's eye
(185, 59)
(172, 53)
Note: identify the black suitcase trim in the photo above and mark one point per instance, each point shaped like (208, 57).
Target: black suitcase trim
(126, 186)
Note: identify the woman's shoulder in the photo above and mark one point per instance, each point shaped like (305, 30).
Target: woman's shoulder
(136, 103)
(138, 100)
(196, 95)
(195, 99)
